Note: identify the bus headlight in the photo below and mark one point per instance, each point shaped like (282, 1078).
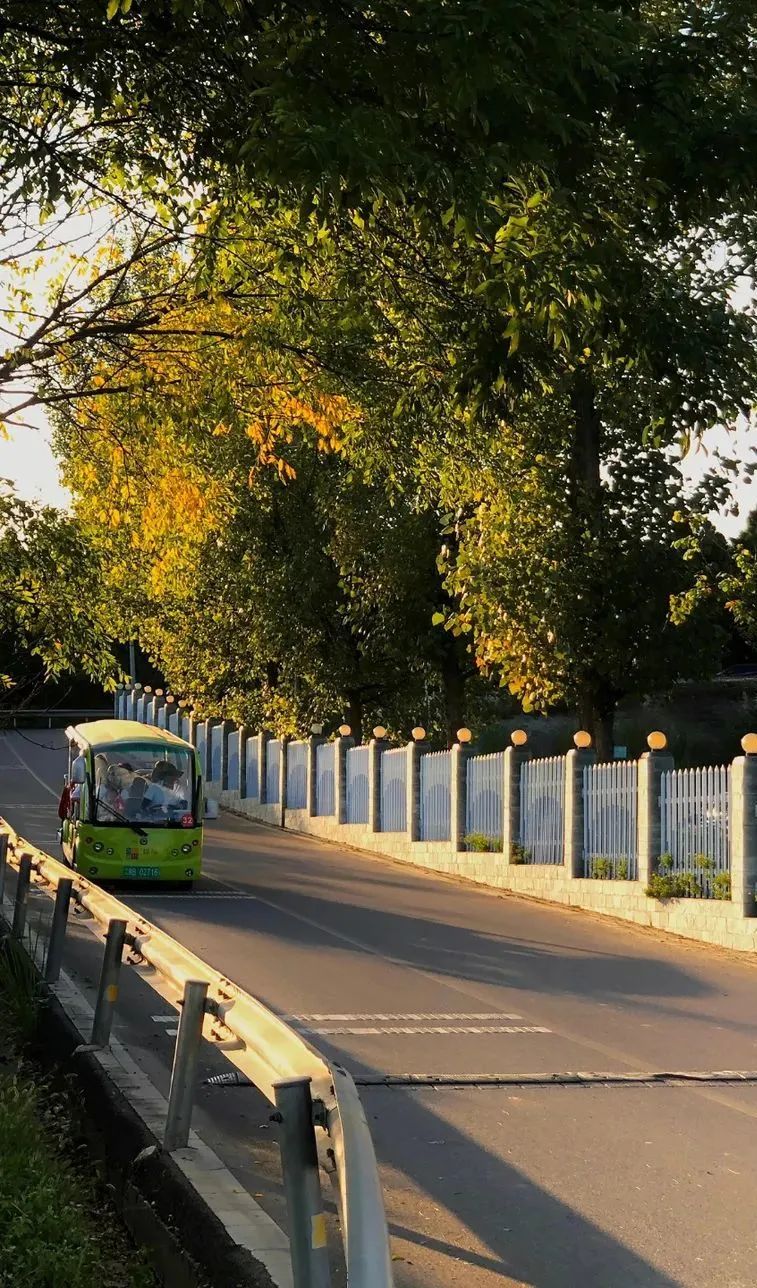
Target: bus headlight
(97, 847)
(189, 872)
(186, 849)
(93, 871)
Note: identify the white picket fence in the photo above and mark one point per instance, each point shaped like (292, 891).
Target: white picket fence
(357, 763)
(483, 804)
(542, 810)
(435, 791)
(297, 775)
(273, 772)
(325, 796)
(393, 783)
(610, 794)
(695, 805)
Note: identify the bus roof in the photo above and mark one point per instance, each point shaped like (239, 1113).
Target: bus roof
(106, 733)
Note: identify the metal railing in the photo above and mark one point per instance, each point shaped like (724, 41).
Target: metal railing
(694, 808)
(316, 1101)
(356, 769)
(542, 788)
(610, 793)
(325, 797)
(483, 799)
(393, 788)
(435, 783)
(297, 775)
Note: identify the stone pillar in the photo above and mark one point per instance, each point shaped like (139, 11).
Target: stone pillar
(314, 742)
(207, 769)
(513, 760)
(342, 743)
(263, 740)
(375, 748)
(743, 831)
(171, 708)
(458, 785)
(136, 693)
(413, 770)
(227, 727)
(651, 766)
(243, 734)
(117, 696)
(573, 814)
(283, 759)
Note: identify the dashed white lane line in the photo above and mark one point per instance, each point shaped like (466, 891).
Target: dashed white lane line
(440, 1030)
(415, 1023)
(406, 1015)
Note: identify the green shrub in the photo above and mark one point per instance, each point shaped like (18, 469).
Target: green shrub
(721, 885)
(621, 870)
(480, 843)
(674, 885)
(519, 853)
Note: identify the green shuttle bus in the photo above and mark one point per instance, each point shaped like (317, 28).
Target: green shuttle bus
(132, 804)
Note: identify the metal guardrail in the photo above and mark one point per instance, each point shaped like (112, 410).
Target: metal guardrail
(10, 716)
(317, 1102)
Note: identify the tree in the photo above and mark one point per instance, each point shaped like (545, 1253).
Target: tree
(49, 607)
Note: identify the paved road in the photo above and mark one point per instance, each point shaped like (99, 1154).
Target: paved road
(396, 971)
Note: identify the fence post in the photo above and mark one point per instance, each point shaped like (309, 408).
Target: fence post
(243, 734)
(573, 814)
(136, 693)
(311, 785)
(117, 701)
(514, 758)
(3, 863)
(458, 788)
(299, 1162)
(107, 992)
(54, 957)
(652, 765)
(226, 728)
(342, 743)
(743, 827)
(23, 881)
(376, 747)
(283, 763)
(263, 740)
(184, 1070)
(210, 725)
(413, 788)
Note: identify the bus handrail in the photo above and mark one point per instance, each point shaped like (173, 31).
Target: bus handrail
(270, 1052)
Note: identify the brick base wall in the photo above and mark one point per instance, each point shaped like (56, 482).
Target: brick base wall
(708, 920)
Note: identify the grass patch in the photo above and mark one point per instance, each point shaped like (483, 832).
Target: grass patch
(57, 1229)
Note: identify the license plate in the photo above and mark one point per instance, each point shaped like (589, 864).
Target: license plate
(142, 872)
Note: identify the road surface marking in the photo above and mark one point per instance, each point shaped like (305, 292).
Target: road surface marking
(421, 1015)
(24, 764)
(184, 895)
(655, 1077)
(440, 1030)
(163, 1019)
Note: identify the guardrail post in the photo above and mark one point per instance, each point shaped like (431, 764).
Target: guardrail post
(23, 882)
(299, 1160)
(243, 733)
(107, 992)
(184, 1071)
(3, 862)
(54, 958)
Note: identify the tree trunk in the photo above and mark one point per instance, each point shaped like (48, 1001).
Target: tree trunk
(355, 715)
(597, 716)
(453, 688)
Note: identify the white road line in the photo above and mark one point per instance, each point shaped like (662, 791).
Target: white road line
(183, 896)
(29, 770)
(422, 1015)
(163, 1019)
(409, 1030)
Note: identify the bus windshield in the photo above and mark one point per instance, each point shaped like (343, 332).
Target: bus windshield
(143, 784)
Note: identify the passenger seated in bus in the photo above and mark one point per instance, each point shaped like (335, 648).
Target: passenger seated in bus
(165, 790)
